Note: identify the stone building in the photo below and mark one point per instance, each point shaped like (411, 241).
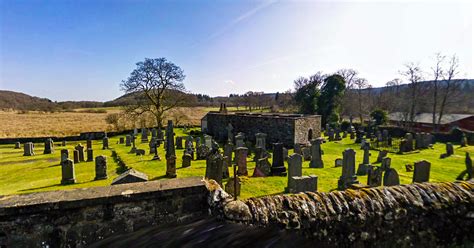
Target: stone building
(286, 128)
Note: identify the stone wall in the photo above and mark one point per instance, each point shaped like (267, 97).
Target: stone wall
(286, 128)
(79, 217)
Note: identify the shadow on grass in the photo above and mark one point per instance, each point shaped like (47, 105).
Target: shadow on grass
(51, 186)
(159, 178)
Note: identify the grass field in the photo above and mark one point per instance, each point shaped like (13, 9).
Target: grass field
(41, 172)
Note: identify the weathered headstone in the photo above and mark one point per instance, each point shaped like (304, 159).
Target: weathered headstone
(306, 153)
(105, 143)
(100, 167)
(239, 140)
(348, 176)
(144, 135)
(382, 154)
(260, 140)
(17, 145)
(202, 151)
(64, 154)
(262, 168)
(130, 176)
(80, 149)
(364, 166)
(28, 149)
(422, 171)
(298, 148)
(179, 142)
(171, 167)
(88, 144)
(449, 149)
(214, 165)
(121, 140)
(391, 178)
(90, 155)
(278, 163)
(48, 146)
(463, 140)
(228, 150)
(230, 185)
(241, 160)
(386, 163)
(128, 140)
(208, 140)
(67, 171)
(316, 154)
(187, 159)
(76, 156)
(285, 154)
(152, 145)
(374, 176)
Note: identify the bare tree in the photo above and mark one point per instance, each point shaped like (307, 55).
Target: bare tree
(414, 75)
(450, 87)
(359, 85)
(437, 75)
(157, 84)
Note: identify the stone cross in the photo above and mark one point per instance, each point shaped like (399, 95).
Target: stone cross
(278, 165)
(348, 176)
(48, 146)
(67, 171)
(316, 154)
(422, 171)
(241, 160)
(100, 167)
(28, 149)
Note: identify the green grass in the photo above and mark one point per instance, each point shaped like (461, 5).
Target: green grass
(41, 172)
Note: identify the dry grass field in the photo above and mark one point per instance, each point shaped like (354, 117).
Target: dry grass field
(14, 124)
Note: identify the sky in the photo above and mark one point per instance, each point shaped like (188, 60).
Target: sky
(83, 49)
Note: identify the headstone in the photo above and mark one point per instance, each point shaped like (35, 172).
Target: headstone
(171, 167)
(105, 143)
(382, 154)
(130, 176)
(422, 171)
(260, 140)
(156, 156)
(285, 154)
(160, 136)
(76, 156)
(154, 133)
(385, 135)
(88, 144)
(239, 140)
(90, 155)
(316, 154)
(179, 142)
(374, 176)
(391, 178)
(229, 187)
(121, 140)
(208, 140)
(306, 153)
(463, 140)
(187, 160)
(63, 143)
(48, 146)
(241, 160)
(189, 147)
(28, 149)
(295, 169)
(128, 140)
(278, 164)
(229, 129)
(170, 150)
(80, 149)
(467, 174)
(364, 166)
(449, 149)
(202, 152)
(64, 154)
(152, 145)
(228, 150)
(298, 148)
(409, 142)
(263, 168)
(225, 168)
(386, 163)
(338, 162)
(330, 134)
(17, 145)
(67, 171)
(100, 167)
(214, 165)
(337, 134)
(144, 135)
(348, 176)
(418, 141)
(305, 184)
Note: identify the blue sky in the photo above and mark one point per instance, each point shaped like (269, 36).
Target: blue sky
(81, 50)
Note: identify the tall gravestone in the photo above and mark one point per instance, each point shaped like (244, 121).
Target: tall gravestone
(374, 176)
(364, 167)
(48, 146)
(100, 167)
(468, 173)
(241, 161)
(348, 176)
(295, 169)
(179, 142)
(316, 154)
(90, 155)
(88, 144)
(105, 143)
(187, 159)
(128, 140)
(278, 163)
(64, 154)
(239, 140)
(260, 140)
(67, 171)
(170, 151)
(144, 135)
(76, 156)
(28, 149)
(80, 150)
(208, 140)
(214, 166)
(228, 150)
(422, 171)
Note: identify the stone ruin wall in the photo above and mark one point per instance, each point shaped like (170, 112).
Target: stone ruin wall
(79, 217)
(278, 127)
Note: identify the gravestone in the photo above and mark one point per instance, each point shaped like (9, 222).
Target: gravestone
(467, 174)
(134, 148)
(295, 169)
(409, 142)
(90, 155)
(170, 148)
(198, 142)
(260, 140)
(330, 134)
(348, 176)
(229, 129)
(422, 171)
(386, 163)
(306, 153)
(100, 167)
(28, 149)
(316, 154)
(298, 148)
(278, 164)
(338, 162)
(229, 187)
(305, 184)
(337, 134)
(214, 165)
(121, 140)
(463, 140)
(105, 143)
(418, 141)
(225, 168)
(385, 135)
(154, 133)
(144, 135)
(285, 154)
(67, 172)
(241, 160)
(130, 176)
(449, 149)
(63, 143)
(48, 146)
(17, 145)
(64, 154)
(88, 144)
(382, 154)
(202, 151)
(364, 166)
(374, 176)
(189, 147)
(208, 140)
(228, 150)
(391, 178)
(152, 145)
(76, 156)
(160, 136)
(239, 140)
(263, 168)
(80, 149)
(187, 160)
(128, 140)
(179, 142)
(171, 167)
(344, 134)
(156, 156)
